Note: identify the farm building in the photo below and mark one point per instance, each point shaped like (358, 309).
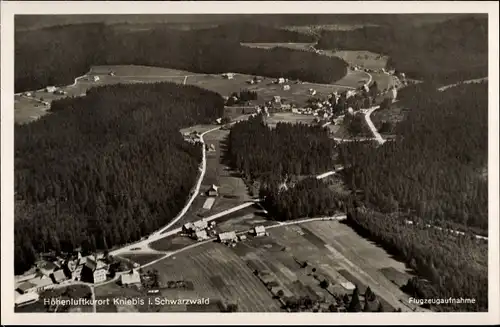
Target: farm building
(201, 235)
(50, 89)
(350, 93)
(277, 99)
(131, 278)
(218, 121)
(59, 276)
(227, 237)
(36, 284)
(23, 299)
(312, 92)
(228, 75)
(208, 203)
(213, 191)
(27, 94)
(286, 87)
(111, 73)
(259, 230)
(242, 237)
(95, 78)
(280, 80)
(195, 226)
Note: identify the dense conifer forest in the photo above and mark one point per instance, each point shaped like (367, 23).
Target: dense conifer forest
(309, 197)
(443, 52)
(271, 154)
(65, 52)
(437, 164)
(433, 174)
(107, 168)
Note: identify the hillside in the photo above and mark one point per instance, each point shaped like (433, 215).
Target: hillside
(106, 169)
(62, 53)
(444, 52)
(431, 175)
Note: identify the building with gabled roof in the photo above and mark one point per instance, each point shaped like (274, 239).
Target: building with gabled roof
(59, 276)
(259, 230)
(131, 278)
(227, 237)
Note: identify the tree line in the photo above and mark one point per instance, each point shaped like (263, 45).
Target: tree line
(444, 52)
(107, 168)
(271, 154)
(56, 55)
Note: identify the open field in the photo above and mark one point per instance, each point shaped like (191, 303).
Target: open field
(361, 258)
(361, 58)
(218, 274)
(289, 45)
(141, 258)
(288, 117)
(171, 243)
(27, 110)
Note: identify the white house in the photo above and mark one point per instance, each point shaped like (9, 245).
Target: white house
(286, 87)
(95, 78)
(312, 91)
(50, 89)
(131, 278)
(201, 235)
(228, 75)
(277, 99)
(260, 230)
(281, 80)
(227, 237)
(219, 121)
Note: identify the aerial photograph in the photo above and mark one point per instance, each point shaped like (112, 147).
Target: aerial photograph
(250, 163)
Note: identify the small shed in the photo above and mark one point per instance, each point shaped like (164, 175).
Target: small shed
(95, 78)
(213, 191)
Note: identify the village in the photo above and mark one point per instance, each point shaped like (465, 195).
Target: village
(95, 269)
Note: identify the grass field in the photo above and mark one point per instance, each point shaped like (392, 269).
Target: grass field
(361, 58)
(171, 243)
(141, 258)
(288, 117)
(219, 274)
(289, 45)
(27, 110)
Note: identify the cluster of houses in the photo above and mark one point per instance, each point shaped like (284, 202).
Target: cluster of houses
(200, 230)
(49, 274)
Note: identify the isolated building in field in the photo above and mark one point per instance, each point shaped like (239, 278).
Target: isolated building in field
(277, 99)
(218, 121)
(213, 191)
(95, 78)
(280, 80)
(228, 75)
(50, 89)
(260, 230)
(227, 237)
(131, 278)
(111, 73)
(286, 87)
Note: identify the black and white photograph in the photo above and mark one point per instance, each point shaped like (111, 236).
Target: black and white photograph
(200, 162)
